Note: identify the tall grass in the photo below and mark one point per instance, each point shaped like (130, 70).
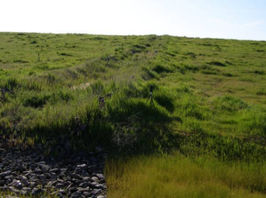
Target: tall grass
(178, 176)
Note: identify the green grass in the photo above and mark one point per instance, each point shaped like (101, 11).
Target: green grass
(208, 103)
(177, 176)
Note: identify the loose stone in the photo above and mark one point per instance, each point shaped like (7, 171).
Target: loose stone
(30, 173)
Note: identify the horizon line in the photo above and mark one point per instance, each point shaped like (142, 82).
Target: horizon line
(86, 33)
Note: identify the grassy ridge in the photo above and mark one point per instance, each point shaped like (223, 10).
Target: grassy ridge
(208, 101)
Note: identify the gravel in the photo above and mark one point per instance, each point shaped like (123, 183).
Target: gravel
(29, 172)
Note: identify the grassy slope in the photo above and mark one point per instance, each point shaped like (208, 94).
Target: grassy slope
(209, 102)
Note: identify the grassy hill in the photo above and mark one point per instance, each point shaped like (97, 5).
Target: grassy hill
(201, 134)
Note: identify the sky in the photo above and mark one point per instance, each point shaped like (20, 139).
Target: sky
(230, 19)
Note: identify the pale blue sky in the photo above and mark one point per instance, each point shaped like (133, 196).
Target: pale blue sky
(236, 19)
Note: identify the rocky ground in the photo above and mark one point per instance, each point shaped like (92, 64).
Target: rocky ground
(28, 172)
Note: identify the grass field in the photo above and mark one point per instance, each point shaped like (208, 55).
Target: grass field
(202, 134)
(178, 176)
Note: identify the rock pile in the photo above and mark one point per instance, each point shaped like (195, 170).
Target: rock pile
(30, 173)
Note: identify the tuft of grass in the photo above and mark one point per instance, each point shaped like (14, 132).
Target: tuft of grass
(230, 103)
